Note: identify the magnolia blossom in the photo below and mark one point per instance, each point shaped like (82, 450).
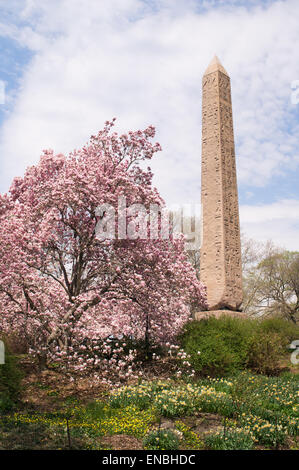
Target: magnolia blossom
(64, 290)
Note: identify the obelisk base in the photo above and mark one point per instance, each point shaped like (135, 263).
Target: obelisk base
(218, 313)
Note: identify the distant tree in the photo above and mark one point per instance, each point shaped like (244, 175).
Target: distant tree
(188, 225)
(279, 284)
(270, 280)
(194, 258)
(253, 252)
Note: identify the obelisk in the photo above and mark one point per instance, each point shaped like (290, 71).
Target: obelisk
(220, 253)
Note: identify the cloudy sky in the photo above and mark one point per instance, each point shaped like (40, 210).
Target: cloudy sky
(69, 65)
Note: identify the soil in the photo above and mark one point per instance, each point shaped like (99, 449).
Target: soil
(46, 390)
(121, 442)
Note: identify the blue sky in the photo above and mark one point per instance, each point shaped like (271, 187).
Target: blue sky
(13, 60)
(69, 65)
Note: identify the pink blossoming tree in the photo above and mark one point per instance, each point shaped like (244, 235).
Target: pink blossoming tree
(64, 289)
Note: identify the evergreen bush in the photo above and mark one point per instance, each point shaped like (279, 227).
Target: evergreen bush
(10, 381)
(222, 346)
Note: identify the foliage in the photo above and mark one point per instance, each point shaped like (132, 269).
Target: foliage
(256, 409)
(286, 330)
(279, 286)
(270, 280)
(274, 400)
(64, 288)
(93, 421)
(265, 408)
(137, 395)
(190, 440)
(217, 346)
(178, 401)
(171, 400)
(231, 439)
(265, 432)
(264, 352)
(162, 439)
(224, 345)
(10, 381)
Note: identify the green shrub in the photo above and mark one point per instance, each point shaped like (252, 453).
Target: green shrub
(10, 382)
(222, 346)
(265, 350)
(161, 440)
(217, 346)
(286, 330)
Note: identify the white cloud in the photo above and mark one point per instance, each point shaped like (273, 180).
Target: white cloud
(278, 221)
(143, 62)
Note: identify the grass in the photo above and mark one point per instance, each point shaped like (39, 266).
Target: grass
(252, 411)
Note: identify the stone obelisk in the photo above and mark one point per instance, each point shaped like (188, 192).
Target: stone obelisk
(220, 253)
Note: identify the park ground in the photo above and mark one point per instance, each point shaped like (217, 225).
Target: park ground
(242, 411)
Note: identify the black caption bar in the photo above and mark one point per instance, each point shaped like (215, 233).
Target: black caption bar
(140, 459)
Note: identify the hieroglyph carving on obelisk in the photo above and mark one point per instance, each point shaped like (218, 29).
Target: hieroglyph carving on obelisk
(220, 254)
